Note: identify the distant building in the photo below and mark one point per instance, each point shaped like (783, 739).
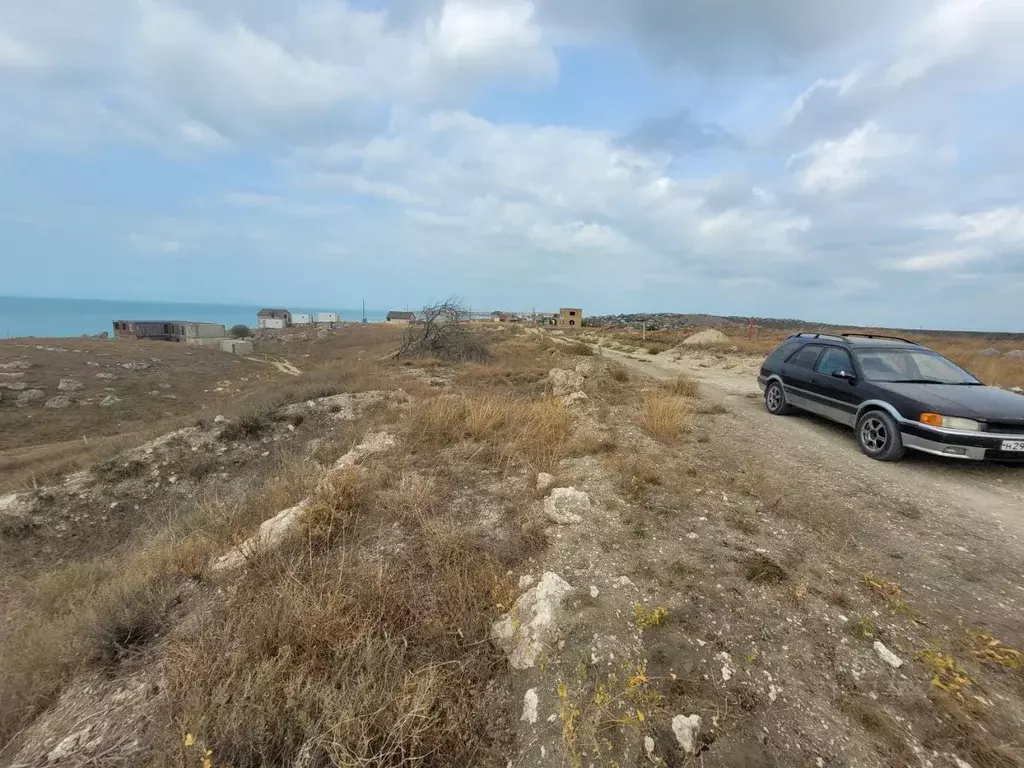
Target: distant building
(401, 318)
(326, 317)
(301, 318)
(274, 318)
(187, 331)
(569, 317)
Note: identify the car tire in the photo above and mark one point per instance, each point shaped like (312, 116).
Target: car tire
(775, 399)
(878, 436)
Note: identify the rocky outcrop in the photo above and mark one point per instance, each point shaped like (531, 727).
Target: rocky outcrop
(564, 382)
(576, 398)
(274, 531)
(535, 622)
(567, 506)
(28, 396)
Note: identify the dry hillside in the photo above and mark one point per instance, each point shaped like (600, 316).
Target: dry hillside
(554, 558)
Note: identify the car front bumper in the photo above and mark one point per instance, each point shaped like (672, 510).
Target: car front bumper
(957, 444)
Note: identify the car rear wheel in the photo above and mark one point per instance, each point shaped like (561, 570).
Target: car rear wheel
(775, 400)
(878, 436)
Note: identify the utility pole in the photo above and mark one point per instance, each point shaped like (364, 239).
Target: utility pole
(644, 331)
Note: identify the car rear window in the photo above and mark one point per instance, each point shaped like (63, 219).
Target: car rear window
(780, 354)
(807, 356)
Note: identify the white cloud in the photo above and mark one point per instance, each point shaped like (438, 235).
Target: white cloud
(982, 33)
(839, 86)
(14, 54)
(839, 165)
(939, 260)
(999, 225)
(489, 37)
(229, 71)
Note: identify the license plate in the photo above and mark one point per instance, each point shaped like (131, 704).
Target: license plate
(1013, 445)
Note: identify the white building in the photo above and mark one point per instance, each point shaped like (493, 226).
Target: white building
(326, 317)
(274, 318)
(301, 318)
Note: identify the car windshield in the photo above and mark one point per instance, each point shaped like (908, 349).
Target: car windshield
(911, 365)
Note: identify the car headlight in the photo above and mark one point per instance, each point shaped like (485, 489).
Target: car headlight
(950, 422)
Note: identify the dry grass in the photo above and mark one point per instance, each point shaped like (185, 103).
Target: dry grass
(682, 386)
(363, 643)
(516, 430)
(665, 417)
(104, 610)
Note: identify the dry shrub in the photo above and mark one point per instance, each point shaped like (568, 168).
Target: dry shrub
(682, 386)
(82, 614)
(618, 372)
(665, 416)
(443, 333)
(579, 348)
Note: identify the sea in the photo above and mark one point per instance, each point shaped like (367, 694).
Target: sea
(49, 318)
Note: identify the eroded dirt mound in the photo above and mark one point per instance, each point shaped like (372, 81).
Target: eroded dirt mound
(707, 337)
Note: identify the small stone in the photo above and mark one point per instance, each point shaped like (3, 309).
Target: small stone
(529, 707)
(691, 536)
(105, 376)
(526, 581)
(109, 400)
(727, 670)
(567, 506)
(218, 419)
(70, 385)
(594, 591)
(888, 656)
(545, 481)
(624, 581)
(686, 730)
(58, 403)
(649, 746)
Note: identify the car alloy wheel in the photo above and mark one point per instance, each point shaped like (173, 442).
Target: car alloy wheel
(874, 435)
(775, 399)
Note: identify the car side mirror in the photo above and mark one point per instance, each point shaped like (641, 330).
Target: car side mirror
(844, 374)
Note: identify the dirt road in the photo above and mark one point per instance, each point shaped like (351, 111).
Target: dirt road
(816, 450)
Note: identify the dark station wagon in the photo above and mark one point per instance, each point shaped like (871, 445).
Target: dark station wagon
(896, 395)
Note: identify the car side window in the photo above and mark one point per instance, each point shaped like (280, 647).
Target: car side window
(834, 359)
(807, 356)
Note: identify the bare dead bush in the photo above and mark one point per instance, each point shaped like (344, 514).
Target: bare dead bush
(443, 333)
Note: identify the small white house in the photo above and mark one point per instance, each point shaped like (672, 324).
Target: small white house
(326, 317)
(274, 318)
(301, 318)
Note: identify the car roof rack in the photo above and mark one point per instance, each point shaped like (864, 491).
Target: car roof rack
(880, 336)
(812, 335)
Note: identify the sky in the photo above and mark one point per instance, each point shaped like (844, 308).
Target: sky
(828, 160)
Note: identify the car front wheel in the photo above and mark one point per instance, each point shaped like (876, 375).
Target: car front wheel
(775, 400)
(878, 436)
